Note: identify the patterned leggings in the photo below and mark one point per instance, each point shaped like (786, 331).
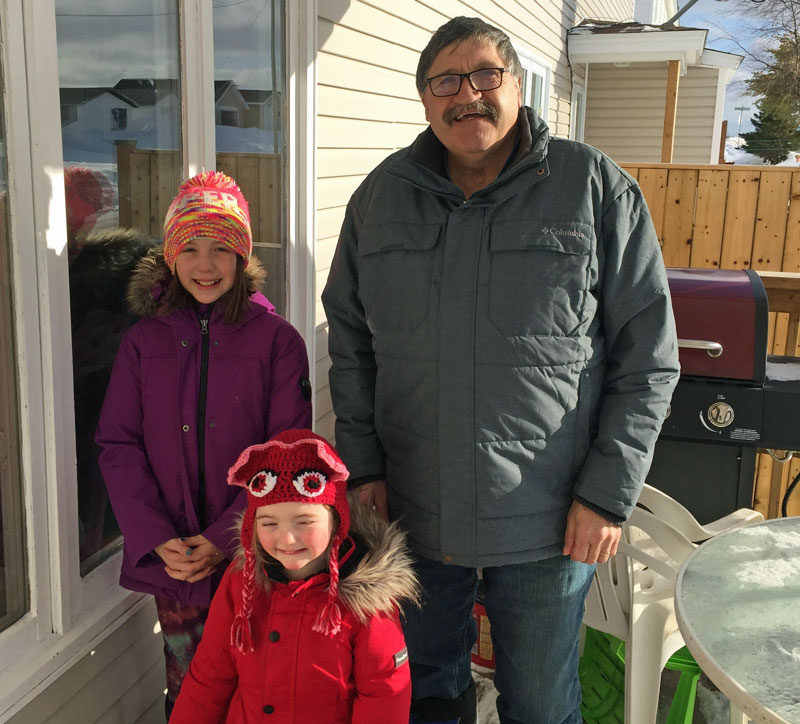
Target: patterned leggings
(181, 627)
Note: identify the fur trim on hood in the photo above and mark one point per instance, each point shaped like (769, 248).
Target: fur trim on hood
(152, 275)
(384, 578)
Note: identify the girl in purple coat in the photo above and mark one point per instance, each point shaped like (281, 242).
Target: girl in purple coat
(208, 370)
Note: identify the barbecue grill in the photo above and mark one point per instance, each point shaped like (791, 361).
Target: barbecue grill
(732, 398)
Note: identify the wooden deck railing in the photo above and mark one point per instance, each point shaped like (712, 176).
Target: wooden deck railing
(737, 217)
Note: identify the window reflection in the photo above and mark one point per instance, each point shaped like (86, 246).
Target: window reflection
(248, 96)
(13, 573)
(121, 136)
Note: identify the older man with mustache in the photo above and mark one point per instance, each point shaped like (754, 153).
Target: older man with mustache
(503, 355)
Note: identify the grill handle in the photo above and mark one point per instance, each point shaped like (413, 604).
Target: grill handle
(713, 349)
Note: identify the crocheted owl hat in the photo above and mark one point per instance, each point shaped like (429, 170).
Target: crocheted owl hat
(295, 466)
(211, 205)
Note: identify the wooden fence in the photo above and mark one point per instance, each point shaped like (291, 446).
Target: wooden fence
(737, 217)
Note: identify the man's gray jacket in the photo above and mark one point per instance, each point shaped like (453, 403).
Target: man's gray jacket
(496, 358)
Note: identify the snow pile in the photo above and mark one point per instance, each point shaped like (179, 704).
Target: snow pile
(735, 153)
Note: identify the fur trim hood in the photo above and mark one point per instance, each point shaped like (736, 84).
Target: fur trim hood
(152, 275)
(384, 578)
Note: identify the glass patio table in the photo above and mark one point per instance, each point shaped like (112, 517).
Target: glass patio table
(737, 602)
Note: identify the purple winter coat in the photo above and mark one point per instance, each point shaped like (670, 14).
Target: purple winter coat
(257, 387)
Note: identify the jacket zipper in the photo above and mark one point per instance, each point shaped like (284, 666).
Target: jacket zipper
(201, 417)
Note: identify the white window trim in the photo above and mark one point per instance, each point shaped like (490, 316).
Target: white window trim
(68, 614)
(577, 102)
(197, 86)
(535, 64)
(300, 132)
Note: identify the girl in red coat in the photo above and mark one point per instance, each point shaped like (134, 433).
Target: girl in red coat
(305, 626)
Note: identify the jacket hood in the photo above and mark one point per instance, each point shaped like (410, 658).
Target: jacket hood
(152, 275)
(384, 578)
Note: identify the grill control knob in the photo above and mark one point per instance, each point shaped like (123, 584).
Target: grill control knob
(720, 414)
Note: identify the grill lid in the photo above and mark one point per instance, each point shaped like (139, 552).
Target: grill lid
(721, 317)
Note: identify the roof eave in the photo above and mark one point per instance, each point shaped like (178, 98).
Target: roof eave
(686, 46)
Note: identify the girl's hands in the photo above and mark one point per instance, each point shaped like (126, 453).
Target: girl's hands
(189, 559)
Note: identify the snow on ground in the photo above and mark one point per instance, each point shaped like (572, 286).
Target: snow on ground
(734, 153)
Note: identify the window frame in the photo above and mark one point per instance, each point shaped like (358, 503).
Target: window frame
(70, 614)
(577, 111)
(534, 65)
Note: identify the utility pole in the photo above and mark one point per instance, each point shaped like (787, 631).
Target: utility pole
(741, 109)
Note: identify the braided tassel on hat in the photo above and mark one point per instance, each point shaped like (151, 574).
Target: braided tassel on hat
(295, 466)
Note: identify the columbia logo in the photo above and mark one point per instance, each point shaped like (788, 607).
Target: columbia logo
(562, 232)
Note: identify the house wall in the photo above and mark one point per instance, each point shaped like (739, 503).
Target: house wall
(368, 107)
(120, 681)
(625, 112)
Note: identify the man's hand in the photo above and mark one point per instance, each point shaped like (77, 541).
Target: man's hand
(373, 495)
(189, 559)
(589, 537)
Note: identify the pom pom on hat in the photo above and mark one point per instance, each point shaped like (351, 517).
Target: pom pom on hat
(209, 205)
(295, 466)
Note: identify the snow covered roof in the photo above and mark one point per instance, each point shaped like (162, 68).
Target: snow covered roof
(598, 41)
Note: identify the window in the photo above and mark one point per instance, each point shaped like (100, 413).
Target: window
(14, 597)
(119, 119)
(249, 64)
(535, 83)
(112, 182)
(577, 112)
(228, 118)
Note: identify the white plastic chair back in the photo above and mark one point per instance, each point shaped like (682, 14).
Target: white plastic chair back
(632, 595)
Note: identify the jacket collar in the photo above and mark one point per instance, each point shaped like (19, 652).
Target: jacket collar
(423, 163)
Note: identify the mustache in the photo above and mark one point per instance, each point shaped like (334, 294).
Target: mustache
(480, 106)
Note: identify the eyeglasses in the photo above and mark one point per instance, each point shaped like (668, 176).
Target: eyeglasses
(449, 84)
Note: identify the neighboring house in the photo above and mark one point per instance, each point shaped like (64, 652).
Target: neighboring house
(229, 105)
(82, 649)
(630, 70)
(93, 119)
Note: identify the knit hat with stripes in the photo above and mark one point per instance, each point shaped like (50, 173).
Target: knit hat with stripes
(208, 205)
(296, 466)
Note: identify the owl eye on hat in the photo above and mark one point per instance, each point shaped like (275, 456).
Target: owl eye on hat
(208, 205)
(296, 466)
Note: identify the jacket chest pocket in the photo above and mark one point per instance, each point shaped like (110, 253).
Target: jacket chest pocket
(539, 277)
(395, 271)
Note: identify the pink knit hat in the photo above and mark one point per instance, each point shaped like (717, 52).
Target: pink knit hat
(209, 205)
(296, 466)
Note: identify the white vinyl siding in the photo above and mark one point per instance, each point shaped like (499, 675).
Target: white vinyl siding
(625, 112)
(368, 106)
(120, 680)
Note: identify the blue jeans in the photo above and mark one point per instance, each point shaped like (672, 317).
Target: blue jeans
(535, 610)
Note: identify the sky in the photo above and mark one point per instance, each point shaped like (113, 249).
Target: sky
(100, 42)
(715, 15)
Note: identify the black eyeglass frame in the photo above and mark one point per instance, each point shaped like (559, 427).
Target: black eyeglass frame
(461, 77)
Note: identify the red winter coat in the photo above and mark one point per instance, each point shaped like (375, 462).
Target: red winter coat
(148, 432)
(297, 675)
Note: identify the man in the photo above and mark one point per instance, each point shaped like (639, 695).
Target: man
(503, 355)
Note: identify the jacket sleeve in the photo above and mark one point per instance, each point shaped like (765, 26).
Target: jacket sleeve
(353, 369)
(213, 677)
(132, 487)
(381, 673)
(641, 357)
(289, 397)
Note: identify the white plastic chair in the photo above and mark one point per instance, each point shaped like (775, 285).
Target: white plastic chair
(632, 595)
